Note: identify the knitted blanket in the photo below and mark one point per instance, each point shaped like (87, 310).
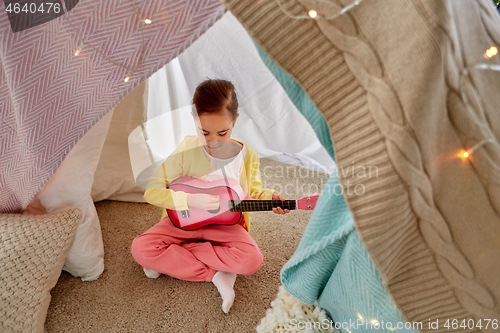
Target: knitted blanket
(402, 90)
(50, 97)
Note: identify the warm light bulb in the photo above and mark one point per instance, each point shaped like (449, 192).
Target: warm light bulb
(79, 49)
(312, 13)
(491, 52)
(148, 21)
(463, 154)
(126, 79)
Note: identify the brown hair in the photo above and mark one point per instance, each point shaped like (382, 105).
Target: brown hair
(215, 96)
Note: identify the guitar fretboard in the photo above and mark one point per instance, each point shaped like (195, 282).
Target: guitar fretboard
(259, 205)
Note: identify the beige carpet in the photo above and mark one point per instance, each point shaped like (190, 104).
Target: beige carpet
(123, 299)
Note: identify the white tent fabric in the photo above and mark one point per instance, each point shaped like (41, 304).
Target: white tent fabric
(268, 122)
(70, 187)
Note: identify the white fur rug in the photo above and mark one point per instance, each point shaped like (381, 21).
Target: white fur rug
(288, 314)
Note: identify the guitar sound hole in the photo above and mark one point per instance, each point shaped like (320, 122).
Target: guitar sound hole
(214, 211)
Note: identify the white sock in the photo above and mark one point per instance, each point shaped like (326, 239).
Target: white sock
(224, 282)
(150, 273)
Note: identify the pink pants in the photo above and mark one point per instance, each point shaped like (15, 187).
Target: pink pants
(198, 254)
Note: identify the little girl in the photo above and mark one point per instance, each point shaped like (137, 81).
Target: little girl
(212, 253)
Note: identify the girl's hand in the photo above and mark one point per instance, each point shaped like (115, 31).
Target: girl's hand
(203, 201)
(279, 210)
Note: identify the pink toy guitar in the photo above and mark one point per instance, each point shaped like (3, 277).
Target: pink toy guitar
(231, 206)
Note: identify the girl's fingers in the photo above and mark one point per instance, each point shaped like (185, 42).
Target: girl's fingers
(213, 199)
(278, 210)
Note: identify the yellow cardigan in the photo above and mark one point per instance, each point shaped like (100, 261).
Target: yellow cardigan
(188, 159)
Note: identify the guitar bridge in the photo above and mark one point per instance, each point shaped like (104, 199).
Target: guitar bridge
(185, 213)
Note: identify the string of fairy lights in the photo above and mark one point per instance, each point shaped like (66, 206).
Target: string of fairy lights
(311, 14)
(490, 53)
(84, 43)
(315, 15)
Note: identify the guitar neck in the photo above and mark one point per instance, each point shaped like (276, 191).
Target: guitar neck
(260, 205)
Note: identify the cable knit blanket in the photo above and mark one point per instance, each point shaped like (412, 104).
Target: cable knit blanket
(401, 88)
(49, 98)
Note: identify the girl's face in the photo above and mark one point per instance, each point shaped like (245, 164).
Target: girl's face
(214, 129)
